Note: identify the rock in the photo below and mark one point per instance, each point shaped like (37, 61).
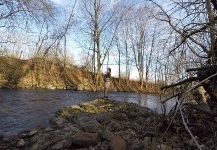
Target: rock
(91, 126)
(118, 143)
(33, 132)
(22, 135)
(58, 120)
(106, 135)
(114, 125)
(48, 129)
(64, 144)
(103, 118)
(21, 143)
(44, 140)
(88, 124)
(80, 87)
(71, 127)
(84, 139)
(137, 146)
(67, 143)
(163, 147)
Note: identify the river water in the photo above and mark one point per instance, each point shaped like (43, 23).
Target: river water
(26, 109)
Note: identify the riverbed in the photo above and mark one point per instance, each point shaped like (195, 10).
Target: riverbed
(25, 109)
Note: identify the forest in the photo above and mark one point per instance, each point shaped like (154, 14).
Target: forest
(142, 40)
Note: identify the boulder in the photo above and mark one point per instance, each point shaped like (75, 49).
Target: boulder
(85, 139)
(21, 143)
(106, 135)
(114, 126)
(103, 118)
(33, 132)
(118, 143)
(88, 124)
(59, 120)
(64, 144)
(72, 128)
(44, 140)
(91, 126)
(80, 87)
(67, 143)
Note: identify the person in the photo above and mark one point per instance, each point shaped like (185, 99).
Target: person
(107, 77)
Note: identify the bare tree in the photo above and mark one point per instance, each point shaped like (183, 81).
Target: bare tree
(139, 39)
(102, 21)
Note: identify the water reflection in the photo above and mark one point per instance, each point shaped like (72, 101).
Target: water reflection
(23, 109)
(147, 100)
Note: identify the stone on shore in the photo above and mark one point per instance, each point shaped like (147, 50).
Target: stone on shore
(43, 139)
(21, 143)
(80, 87)
(84, 139)
(33, 132)
(106, 134)
(118, 143)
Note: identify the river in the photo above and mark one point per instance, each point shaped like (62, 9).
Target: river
(26, 109)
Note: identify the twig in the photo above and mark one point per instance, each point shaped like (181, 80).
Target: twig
(180, 102)
(196, 86)
(171, 120)
(173, 108)
(198, 146)
(171, 97)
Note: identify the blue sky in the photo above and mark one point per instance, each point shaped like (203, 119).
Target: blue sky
(74, 49)
(77, 51)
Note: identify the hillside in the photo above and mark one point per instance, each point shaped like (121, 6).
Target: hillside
(32, 74)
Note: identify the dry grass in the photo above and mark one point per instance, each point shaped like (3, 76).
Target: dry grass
(15, 73)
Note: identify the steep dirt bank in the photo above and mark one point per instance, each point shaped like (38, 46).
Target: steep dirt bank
(30, 74)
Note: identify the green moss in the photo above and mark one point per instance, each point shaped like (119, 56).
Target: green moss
(93, 107)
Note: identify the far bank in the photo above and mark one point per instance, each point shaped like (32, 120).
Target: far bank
(32, 74)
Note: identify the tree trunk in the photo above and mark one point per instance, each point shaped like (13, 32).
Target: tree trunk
(127, 64)
(212, 31)
(141, 79)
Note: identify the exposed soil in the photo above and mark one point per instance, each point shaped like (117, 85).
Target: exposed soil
(31, 74)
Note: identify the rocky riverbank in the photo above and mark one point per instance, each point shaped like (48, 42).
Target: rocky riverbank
(106, 125)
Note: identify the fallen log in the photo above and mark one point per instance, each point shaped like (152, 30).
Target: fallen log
(213, 67)
(205, 111)
(182, 82)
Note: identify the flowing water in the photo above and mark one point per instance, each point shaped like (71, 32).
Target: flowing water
(26, 109)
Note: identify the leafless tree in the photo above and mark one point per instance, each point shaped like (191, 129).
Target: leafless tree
(100, 24)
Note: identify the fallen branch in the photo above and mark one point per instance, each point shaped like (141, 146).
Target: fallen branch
(198, 146)
(171, 97)
(181, 101)
(181, 82)
(202, 68)
(207, 112)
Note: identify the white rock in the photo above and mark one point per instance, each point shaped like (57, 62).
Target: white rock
(33, 132)
(21, 143)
